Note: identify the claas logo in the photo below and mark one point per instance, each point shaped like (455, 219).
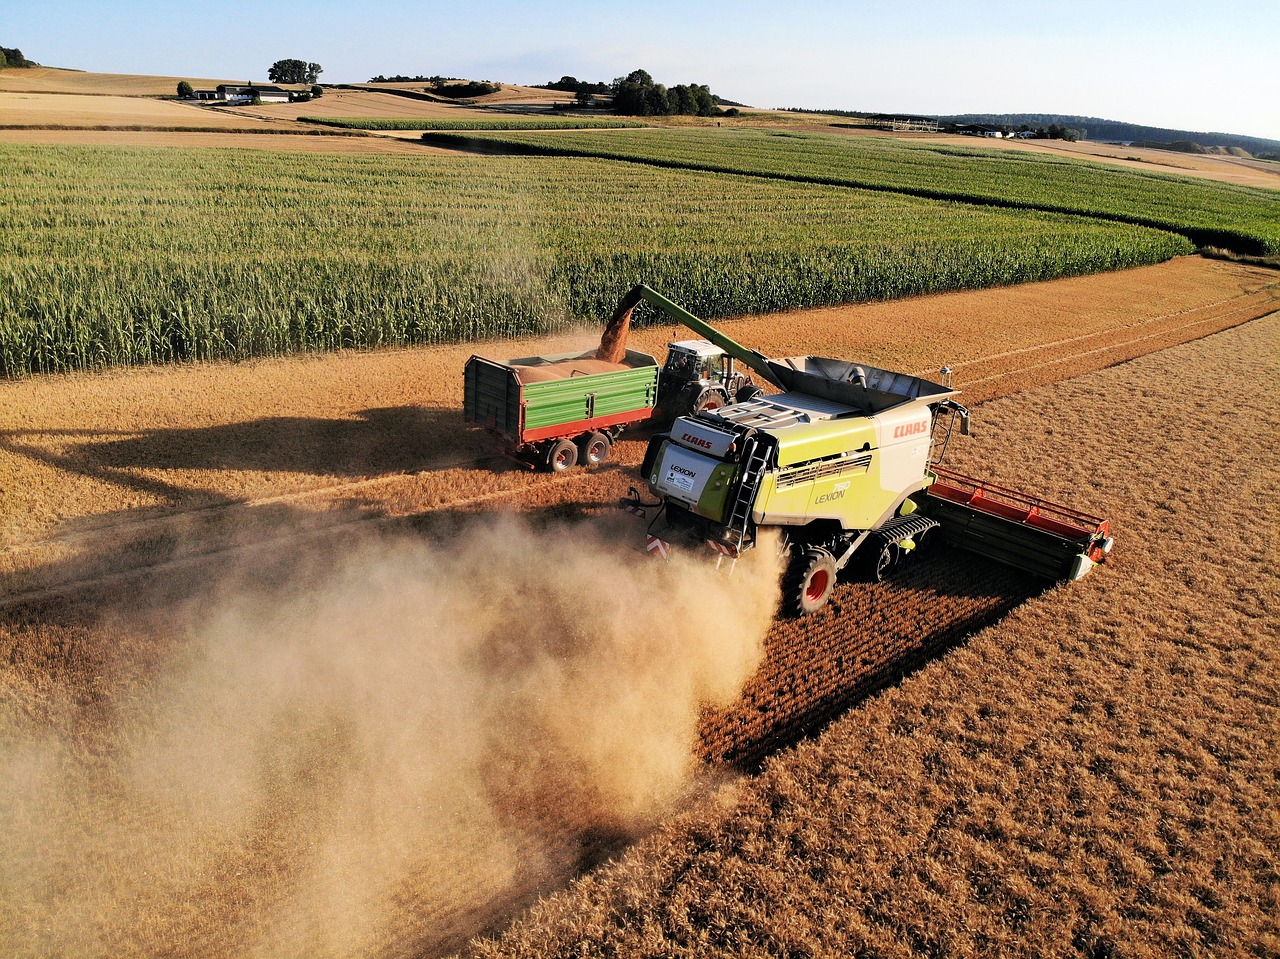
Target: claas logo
(910, 429)
(696, 441)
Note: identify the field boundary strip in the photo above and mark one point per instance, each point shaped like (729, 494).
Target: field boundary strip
(347, 522)
(176, 128)
(1269, 296)
(1249, 317)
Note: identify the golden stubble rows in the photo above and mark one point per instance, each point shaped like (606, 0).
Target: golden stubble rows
(309, 547)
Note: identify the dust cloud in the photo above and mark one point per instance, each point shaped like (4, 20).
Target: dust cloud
(382, 760)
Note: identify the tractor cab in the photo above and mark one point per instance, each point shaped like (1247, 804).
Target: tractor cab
(692, 360)
(699, 375)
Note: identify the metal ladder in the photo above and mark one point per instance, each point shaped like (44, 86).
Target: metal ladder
(754, 461)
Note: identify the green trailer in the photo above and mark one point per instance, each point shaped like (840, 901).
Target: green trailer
(558, 410)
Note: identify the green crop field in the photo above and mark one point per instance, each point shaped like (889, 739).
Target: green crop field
(478, 123)
(114, 256)
(1246, 219)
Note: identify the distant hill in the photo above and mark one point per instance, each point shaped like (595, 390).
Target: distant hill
(1116, 131)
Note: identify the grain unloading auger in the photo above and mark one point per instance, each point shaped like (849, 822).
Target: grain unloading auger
(844, 460)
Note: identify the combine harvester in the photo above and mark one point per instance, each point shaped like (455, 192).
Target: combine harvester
(844, 460)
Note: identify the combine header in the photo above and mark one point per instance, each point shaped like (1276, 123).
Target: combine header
(844, 459)
(1050, 540)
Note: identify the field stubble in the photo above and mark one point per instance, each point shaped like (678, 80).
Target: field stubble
(85, 664)
(1091, 776)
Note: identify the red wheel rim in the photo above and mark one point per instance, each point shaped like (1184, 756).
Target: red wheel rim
(595, 451)
(817, 587)
(562, 460)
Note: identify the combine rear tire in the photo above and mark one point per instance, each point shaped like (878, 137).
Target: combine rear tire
(809, 581)
(560, 456)
(595, 449)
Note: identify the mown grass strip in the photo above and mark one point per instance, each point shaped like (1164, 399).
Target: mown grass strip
(505, 123)
(1243, 219)
(114, 256)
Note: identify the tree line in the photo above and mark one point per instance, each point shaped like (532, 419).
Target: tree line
(12, 57)
(638, 95)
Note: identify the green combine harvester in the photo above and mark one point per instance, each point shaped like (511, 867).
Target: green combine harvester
(844, 460)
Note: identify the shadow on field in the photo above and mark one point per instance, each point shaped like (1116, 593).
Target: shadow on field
(870, 637)
(380, 441)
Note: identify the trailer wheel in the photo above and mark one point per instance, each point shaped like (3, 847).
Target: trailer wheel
(809, 581)
(560, 456)
(595, 449)
(748, 393)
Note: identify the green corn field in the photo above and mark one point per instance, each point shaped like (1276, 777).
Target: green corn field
(1246, 219)
(115, 256)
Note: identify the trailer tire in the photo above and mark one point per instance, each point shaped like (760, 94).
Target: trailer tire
(809, 581)
(560, 456)
(595, 449)
(748, 393)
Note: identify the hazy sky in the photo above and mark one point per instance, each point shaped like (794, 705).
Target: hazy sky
(1202, 65)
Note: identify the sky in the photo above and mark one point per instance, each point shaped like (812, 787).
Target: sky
(1208, 65)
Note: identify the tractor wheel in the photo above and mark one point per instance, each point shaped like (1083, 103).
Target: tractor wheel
(809, 581)
(595, 449)
(560, 456)
(748, 393)
(712, 398)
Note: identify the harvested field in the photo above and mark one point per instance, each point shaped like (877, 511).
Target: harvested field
(361, 103)
(1094, 775)
(55, 80)
(191, 546)
(1224, 169)
(67, 110)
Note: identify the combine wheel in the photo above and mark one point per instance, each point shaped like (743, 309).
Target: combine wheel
(881, 562)
(560, 456)
(809, 581)
(595, 449)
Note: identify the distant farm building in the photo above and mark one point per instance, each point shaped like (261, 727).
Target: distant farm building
(245, 93)
(265, 93)
(979, 130)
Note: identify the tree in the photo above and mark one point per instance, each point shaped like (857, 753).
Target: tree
(184, 90)
(637, 95)
(12, 57)
(317, 90)
(294, 71)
